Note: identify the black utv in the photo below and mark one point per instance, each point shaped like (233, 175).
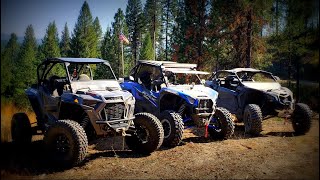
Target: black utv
(253, 95)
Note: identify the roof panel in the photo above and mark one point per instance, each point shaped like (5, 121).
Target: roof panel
(78, 60)
(185, 71)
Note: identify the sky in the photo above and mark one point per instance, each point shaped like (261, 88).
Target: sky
(16, 15)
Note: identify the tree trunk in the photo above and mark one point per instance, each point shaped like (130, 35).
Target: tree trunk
(249, 34)
(167, 23)
(154, 29)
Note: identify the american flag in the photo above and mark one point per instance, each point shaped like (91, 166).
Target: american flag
(123, 38)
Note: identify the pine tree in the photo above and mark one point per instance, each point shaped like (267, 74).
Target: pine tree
(84, 38)
(168, 17)
(108, 52)
(147, 52)
(98, 30)
(152, 14)
(134, 19)
(178, 33)
(8, 58)
(65, 42)
(50, 42)
(25, 67)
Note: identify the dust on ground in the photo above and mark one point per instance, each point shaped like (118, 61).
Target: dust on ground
(276, 154)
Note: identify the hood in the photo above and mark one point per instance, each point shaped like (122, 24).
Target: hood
(108, 89)
(274, 89)
(196, 91)
(95, 85)
(263, 86)
(113, 94)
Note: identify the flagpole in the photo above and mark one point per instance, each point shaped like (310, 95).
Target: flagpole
(122, 61)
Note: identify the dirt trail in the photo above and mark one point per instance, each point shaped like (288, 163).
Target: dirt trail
(276, 154)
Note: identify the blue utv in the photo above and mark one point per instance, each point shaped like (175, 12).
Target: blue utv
(175, 93)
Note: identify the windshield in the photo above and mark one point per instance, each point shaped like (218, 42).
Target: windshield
(256, 76)
(184, 78)
(87, 72)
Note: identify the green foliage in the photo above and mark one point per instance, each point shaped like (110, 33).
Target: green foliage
(134, 19)
(295, 47)
(50, 42)
(192, 31)
(147, 52)
(108, 52)
(50, 46)
(119, 26)
(98, 30)
(152, 14)
(8, 58)
(84, 40)
(65, 42)
(25, 67)
(277, 35)
(103, 72)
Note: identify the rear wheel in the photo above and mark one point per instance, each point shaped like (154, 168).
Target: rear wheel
(222, 125)
(148, 134)
(252, 119)
(173, 128)
(67, 143)
(21, 131)
(301, 118)
(87, 126)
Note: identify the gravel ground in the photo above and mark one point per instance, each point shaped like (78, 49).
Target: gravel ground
(276, 154)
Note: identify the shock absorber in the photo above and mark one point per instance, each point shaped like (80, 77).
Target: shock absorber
(181, 109)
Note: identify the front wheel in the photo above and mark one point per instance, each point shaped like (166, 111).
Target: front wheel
(67, 143)
(252, 119)
(301, 118)
(173, 128)
(148, 134)
(221, 125)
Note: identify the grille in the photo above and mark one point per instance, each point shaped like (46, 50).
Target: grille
(285, 99)
(113, 111)
(205, 106)
(113, 98)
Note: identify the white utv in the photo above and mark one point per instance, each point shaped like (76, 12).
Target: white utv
(80, 98)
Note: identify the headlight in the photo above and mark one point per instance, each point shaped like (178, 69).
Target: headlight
(271, 98)
(130, 100)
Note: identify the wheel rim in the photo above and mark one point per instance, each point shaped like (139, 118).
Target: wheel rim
(143, 134)
(215, 124)
(166, 127)
(62, 144)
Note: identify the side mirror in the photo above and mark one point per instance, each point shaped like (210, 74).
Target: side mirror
(131, 78)
(121, 80)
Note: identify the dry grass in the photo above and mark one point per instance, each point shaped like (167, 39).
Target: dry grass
(7, 111)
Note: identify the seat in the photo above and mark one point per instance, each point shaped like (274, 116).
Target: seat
(231, 82)
(84, 77)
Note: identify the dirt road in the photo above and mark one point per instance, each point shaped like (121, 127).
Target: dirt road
(276, 154)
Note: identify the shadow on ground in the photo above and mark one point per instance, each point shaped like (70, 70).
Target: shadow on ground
(33, 159)
(26, 160)
(239, 133)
